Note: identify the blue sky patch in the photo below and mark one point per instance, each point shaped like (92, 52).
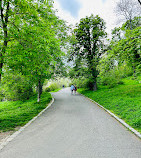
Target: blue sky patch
(104, 1)
(72, 6)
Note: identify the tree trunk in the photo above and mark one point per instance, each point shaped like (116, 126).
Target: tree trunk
(134, 72)
(39, 91)
(4, 20)
(94, 77)
(95, 86)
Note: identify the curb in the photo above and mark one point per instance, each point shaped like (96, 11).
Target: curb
(116, 117)
(11, 137)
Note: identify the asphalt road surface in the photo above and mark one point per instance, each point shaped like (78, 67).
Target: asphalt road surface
(73, 127)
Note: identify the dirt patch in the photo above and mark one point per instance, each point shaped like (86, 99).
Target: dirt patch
(5, 135)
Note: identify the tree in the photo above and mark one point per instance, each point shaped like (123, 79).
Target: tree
(35, 48)
(128, 9)
(34, 39)
(126, 49)
(135, 22)
(129, 48)
(89, 34)
(4, 14)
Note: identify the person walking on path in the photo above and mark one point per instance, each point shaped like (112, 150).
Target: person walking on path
(72, 88)
(75, 89)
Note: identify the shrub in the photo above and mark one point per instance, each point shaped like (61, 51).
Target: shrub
(47, 89)
(51, 85)
(54, 86)
(16, 87)
(81, 82)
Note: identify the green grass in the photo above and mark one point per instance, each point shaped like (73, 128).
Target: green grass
(56, 90)
(123, 100)
(18, 113)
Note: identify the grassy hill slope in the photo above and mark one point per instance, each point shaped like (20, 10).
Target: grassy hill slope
(123, 100)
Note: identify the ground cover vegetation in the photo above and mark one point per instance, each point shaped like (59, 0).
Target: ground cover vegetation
(17, 113)
(123, 100)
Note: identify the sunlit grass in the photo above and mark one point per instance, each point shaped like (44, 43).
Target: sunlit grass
(56, 90)
(18, 113)
(123, 100)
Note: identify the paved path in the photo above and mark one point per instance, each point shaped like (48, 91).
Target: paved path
(74, 127)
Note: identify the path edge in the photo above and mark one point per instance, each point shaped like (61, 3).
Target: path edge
(15, 134)
(138, 134)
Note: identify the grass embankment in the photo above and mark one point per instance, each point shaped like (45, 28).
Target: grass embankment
(18, 113)
(56, 90)
(123, 100)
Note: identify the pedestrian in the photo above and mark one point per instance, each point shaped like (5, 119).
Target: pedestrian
(75, 89)
(72, 88)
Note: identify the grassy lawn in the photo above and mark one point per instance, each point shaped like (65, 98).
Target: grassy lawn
(123, 100)
(18, 113)
(56, 90)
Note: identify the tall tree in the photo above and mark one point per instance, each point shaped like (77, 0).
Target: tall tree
(4, 15)
(89, 34)
(10, 14)
(35, 45)
(128, 9)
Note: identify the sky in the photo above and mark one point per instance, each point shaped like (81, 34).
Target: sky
(73, 10)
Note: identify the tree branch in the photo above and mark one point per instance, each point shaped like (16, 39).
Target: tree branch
(139, 2)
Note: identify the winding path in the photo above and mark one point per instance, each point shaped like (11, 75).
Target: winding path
(73, 127)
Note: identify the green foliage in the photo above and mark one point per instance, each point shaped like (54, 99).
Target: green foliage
(123, 100)
(47, 89)
(80, 82)
(55, 84)
(16, 87)
(32, 45)
(87, 42)
(127, 50)
(56, 90)
(17, 113)
(122, 56)
(111, 74)
(134, 23)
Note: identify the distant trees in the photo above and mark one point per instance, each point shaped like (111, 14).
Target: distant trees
(106, 64)
(88, 44)
(123, 55)
(128, 9)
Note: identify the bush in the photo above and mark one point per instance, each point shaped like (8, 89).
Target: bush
(16, 87)
(81, 82)
(54, 86)
(47, 89)
(1, 94)
(51, 85)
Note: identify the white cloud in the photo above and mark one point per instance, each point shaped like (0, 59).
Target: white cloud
(103, 8)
